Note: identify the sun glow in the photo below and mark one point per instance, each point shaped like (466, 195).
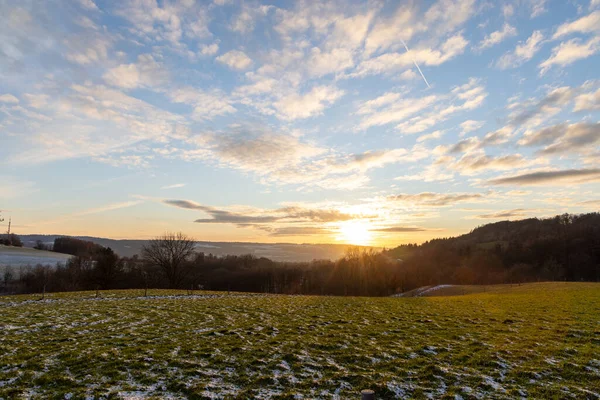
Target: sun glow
(355, 232)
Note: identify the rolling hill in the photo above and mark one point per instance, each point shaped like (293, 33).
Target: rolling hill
(273, 251)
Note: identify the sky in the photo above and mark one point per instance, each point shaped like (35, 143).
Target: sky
(368, 122)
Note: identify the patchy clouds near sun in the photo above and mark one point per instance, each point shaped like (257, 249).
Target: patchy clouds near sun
(363, 122)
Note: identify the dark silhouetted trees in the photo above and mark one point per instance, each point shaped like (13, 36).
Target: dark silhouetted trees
(170, 253)
(11, 240)
(75, 247)
(39, 245)
(561, 248)
(107, 269)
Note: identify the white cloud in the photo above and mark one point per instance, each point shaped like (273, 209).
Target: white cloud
(568, 52)
(430, 136)
(174, 186)
(508, 10)
(579, 138)
(588, 101)
(268, 154)
(409, 75)
(470, 126)
(206, 105)
(383, 110)
(465, 145)
(447, 15)
(94, 121)
(146, 72)
(245, 21)
(209, 50)
(84, 50)
(498, 36)
(386, 31)
(416, 115)
(535, 111)
(168, 21)
(235, 59)
(390, 62)
(322, 63)
(295, 106)
(37, 100)
(542, 136)
(538, 7)
(465, 97)
(89, 4)
(474, 163)
(86, 23)
(282, 158)
(349, 33)
(522, 53)
(8, 98)
(499, 136)
(589, 23)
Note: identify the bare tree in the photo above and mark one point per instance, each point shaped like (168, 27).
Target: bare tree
(170, 252)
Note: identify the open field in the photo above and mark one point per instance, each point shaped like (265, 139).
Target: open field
(21, 256)
(460, 290)
(536, 340)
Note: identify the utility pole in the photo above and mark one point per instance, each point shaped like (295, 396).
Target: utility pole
(8, 232)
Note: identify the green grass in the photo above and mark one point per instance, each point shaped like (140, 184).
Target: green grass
(538, 341)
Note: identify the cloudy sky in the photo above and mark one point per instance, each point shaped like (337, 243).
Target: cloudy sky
(376, 122)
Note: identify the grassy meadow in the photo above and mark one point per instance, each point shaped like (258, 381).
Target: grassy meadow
(536, 341)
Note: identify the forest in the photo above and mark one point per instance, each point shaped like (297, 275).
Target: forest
(562, 248)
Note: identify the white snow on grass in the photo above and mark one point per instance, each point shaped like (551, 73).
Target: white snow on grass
(432, 289)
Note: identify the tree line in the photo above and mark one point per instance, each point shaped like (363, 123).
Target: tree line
(170, 261)
(565, 247)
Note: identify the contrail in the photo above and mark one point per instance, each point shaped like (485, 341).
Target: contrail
(416, 65)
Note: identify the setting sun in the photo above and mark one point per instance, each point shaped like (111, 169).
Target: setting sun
(355, 232)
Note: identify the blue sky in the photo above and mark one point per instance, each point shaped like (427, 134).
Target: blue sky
(361, 122)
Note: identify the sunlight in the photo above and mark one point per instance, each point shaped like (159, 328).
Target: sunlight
(355, 232)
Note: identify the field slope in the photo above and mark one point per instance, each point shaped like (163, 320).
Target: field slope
(537, 340)
(23, 256)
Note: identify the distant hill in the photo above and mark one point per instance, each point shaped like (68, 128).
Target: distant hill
(276, 252)
(565, 247)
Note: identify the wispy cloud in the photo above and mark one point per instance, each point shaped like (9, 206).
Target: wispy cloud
(106, 208)
(174, 186)
(400, 229)
(568, 52)
(431, 199)
(523, 52)
(235, 59)
(508, 214)
(587, 24)
(559, 177)
(254, 216)
(563, 138)
(498, 36)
